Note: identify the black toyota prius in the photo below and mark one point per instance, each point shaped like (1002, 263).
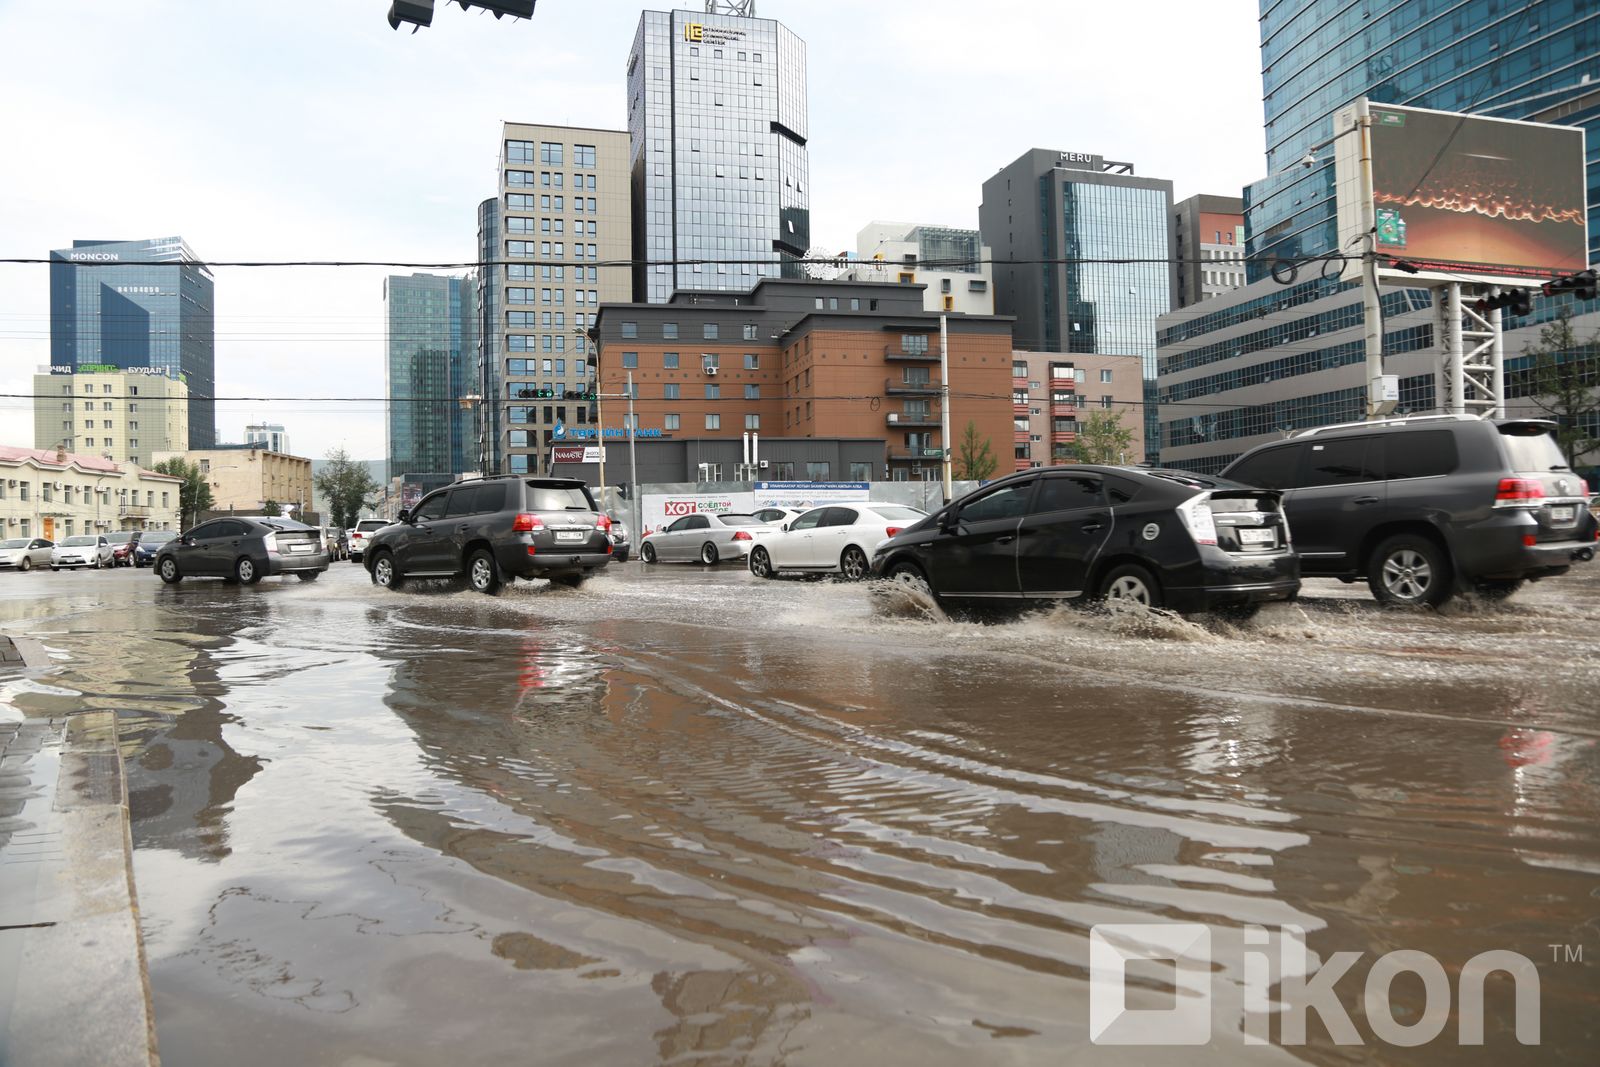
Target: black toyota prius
(1161, 538)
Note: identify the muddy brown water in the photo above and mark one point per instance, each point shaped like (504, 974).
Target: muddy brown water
(683, 815)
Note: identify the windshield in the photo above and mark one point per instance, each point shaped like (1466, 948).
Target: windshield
(898, 511)
(1530, 447)
(78, 541)
(15, 542)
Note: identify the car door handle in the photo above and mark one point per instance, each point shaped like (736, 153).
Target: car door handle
(1091, 527)
(1006, 540)
(1365, 500)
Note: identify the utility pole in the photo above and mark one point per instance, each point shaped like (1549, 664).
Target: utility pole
(633, 466)
(1371, 306)
(944, 405)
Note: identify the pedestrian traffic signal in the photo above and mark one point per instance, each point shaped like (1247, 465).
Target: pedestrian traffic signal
(1582, 285)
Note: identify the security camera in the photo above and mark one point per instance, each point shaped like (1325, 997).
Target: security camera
(1308, 160)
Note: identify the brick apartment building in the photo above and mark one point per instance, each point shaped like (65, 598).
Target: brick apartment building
(1052, 393)
(818, 359)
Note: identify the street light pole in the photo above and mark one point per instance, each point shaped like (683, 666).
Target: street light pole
(599, 418)
(944, 405)
(633, 465)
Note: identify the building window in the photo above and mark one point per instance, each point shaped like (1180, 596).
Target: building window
(583, 155)
(669, 391)
(1105, 376)
(752, 392)
(710, 361)
(669, 422)
(630, 329)
(669, 331)
(1106, 401)
(669, 360)
(713, 422)
(752, 422)
(710, 331)
(752, 361)
(519, 151)
(749, 331)
(914, 343)
(630, 360)
(817, 471)
(550, 154)
(713, 391)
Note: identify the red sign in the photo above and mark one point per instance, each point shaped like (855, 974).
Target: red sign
(676, 508)
(566, 454)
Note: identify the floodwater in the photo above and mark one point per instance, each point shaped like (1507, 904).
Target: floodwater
(685, 816)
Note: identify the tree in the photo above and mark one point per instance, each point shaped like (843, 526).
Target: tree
(272, 509)
(974, 460)
(1102, 438)
(194, 495)
(1563, 381)
(346, 484)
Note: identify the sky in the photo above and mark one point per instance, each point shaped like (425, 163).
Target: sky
(267, 130)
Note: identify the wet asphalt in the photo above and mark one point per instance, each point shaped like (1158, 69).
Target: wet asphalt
(684, 815)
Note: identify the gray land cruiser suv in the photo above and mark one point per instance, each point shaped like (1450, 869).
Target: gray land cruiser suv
(490, 530)
(1426, 507)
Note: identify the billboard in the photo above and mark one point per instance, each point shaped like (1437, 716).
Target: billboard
(1454, 195)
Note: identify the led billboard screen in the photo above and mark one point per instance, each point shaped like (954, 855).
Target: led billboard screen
(1464, 195)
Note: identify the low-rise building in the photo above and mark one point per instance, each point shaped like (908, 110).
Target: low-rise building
(54, 493)
(1052, 395)
(126, 416)
(245, 477)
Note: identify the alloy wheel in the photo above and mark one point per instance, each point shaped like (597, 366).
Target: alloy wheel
(853, 564)
(1407, 574)
(482, 574)
(1129, 588)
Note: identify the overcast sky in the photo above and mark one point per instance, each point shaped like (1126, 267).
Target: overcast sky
(269, 130)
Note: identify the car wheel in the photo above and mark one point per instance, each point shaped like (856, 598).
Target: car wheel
(1131, 584)
(1496, 588)
(708, 554)
(761, 563)
(54, 567)
(910, 575)
(385, 573)
(246, 572)
(648, 553)
(853, 564)
(1409, 570)
(308, 576)
(482, 574)
(25, 565)
(97, 563)
(168, 569)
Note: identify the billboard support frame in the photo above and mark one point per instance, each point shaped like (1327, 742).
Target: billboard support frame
(1473, 379)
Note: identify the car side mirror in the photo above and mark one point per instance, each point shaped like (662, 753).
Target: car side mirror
(405, 515)
(185, 540)
(947, 522)
(784, 527)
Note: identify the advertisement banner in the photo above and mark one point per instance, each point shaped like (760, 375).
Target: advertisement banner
(575, 453)
(1460, 194)
(657, 510)
(410, 493)
(803, 495)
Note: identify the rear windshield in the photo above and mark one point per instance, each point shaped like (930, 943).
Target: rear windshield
(370, 524)
(1196, 481)
(557, 498)
(898, 511)
(1530, 447)
(78, 541)
(739, 520)
(15, 542)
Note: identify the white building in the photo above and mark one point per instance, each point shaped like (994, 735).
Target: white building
(126, 416)
(953, 264)
(269, 436)
(55, 494)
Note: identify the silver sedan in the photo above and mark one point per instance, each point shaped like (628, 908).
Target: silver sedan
(708, 537)
(25, 553)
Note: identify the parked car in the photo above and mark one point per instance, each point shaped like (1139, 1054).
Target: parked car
(1160, 538)
(144, 553)
(243, 549)
(619, 540)
(707, 536)
(25, 553)
(777, 516)
(1426, 507)
(836, 539)
(122, 546)
(358, 535)
(84, 550)
(491, 530)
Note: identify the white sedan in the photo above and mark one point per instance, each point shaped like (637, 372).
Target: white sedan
(835, 539)
(84, 550)
(25, 553)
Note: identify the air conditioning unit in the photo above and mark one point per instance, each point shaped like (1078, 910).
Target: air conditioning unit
(711, 370)
(59, 486)
(12, 482)
(763, 464)
(893, 417)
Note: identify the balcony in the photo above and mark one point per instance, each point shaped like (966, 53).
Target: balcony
(894, 351)
(895, 387)
(1020, 409)
(900, 418)
(1023, 464)
(1020, 437)
(1063, 437)
(134, 511)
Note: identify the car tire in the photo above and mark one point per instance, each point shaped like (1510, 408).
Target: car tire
(1132, 584)
(761, 563)
(96, 563)
(245, 571)
(25, 565)
(708, 554)
(386, 572)
(648, 553)
(482, 573)
(1496, 588)
(168, 569)
(54, 567)
(853, 564)
(308, 576)
(1409, 570)
(912, 576)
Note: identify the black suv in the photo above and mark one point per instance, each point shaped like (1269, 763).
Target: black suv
(1160, 538)
(492, 530)
(1430, 506)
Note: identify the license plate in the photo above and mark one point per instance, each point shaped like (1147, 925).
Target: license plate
(570, 535)
(1564, 514)
(1257, 537)
(299, 548)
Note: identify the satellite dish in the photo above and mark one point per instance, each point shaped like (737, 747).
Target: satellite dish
(824, 266)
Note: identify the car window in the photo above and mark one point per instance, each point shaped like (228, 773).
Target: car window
(557, 498)
(738, 520)
(839, 517)
(1007, 503)
(231, 528)
(809, 521)
(1271, 468)
(1064, 494)
(431, 508)
(1419, 454)
(491, 497)
(898, 512)
(1342, 461)
(368, 525)
(463, 502)
(696, 522)
(1530, 447)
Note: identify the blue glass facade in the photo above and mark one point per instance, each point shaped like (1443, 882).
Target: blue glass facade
(1517, 59)
(490, 278)
(430, 362)
(717, 130)
(135, 304)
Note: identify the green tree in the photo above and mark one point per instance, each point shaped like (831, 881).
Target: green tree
(346, 484)
(1102, 438)
(974, 459)
(1563, 381)
(194, 495)
(272, 509)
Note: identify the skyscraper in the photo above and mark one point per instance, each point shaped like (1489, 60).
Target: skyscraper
(717, 131)
(123, 304)
(429, 329)
(1525, 60)
(1053, 219)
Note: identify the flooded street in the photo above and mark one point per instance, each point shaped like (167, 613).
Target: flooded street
(683, 815)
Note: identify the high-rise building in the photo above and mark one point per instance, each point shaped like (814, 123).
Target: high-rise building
(952, 264)
(429, 327)
(138, 304)
(1536, 60)
(717, 125)
(268, 435)
(1207, 247)
(1055, 221)
(562, 211)
(121, 415)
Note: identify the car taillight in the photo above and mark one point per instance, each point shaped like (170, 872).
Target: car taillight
(526, 523)
(1518, 491)
(890, 531)
(1198, 520)
(603, 523)
(271, 541)
(741, 535)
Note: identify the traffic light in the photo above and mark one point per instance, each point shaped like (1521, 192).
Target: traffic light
(526, 393)
(1582, 285)
(419, 13)
(1517, 301)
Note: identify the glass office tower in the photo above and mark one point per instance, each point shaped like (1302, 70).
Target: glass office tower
(129, 304)
(717, 132)
(430, 362)
(1511, 59)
